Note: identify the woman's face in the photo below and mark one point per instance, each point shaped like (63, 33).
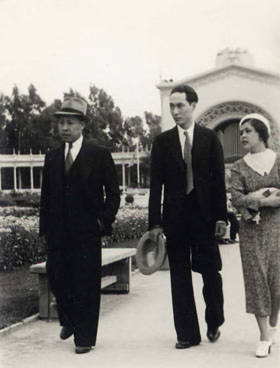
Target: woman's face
(250, 138)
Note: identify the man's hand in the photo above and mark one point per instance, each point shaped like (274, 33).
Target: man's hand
(105, 241)
(220, 229)
(155, 232)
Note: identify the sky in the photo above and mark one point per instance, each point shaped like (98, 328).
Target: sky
(126, 46)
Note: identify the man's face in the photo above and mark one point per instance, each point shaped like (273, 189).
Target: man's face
(181, 110)
(70, 128)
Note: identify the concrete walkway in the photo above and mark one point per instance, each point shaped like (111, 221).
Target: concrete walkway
(136, 330)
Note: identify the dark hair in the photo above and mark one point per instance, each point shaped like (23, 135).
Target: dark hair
(191, 95)
(260, 128)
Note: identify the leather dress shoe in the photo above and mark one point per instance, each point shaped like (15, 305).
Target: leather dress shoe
(214, 334)
(66, 332)
(185, 344)
(82, 349)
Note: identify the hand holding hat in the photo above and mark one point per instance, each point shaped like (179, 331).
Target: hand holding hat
(151, 251)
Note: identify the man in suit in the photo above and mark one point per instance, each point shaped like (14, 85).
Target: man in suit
(74, 214)
(187, 164)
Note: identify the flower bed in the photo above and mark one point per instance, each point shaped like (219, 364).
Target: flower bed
(20, 244)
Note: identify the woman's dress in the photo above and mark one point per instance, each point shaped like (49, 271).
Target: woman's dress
(259, 243)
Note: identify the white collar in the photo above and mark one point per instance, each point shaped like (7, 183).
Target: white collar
(76, 146)
(190, 131)
(261, 162)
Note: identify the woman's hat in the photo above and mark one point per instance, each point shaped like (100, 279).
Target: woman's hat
(150, 255)
(257, 117)
(73, 106)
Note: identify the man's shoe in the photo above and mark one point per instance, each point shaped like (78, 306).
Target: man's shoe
(66, 332)
(213, 335)
(185, 344)
(82, 349)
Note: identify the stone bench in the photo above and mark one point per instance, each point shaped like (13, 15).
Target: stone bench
(116, 274)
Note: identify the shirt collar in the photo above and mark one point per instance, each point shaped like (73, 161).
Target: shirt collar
(190, 131)
(75, 145)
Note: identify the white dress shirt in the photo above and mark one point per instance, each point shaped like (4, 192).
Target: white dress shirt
(76, 146)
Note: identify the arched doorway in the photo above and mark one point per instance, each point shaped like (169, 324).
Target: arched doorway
(228, 133)
(224, 119)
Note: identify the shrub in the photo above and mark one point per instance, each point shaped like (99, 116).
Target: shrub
(19, 247)
(131, 223)
(7, 202)
(20, 199)
(18, 211)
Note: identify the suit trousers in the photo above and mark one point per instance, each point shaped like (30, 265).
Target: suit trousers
(74, 272)
(194, 248)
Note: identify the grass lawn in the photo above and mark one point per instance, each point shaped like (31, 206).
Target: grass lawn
(18, 296)
(19, 292)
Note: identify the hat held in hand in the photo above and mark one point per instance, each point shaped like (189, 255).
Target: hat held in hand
(150, 255)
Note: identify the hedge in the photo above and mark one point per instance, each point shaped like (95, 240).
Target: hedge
(24, 199)
(19, 247)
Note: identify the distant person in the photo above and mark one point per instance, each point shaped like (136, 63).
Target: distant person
(74, 214)
(187, 165)
(255, 187)
(233, 222)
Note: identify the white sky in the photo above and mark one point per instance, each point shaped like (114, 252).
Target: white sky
(123, 46)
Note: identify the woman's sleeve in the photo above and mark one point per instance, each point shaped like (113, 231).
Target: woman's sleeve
(248, 207)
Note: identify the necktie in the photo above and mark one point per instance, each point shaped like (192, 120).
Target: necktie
(188, 161)
(69, 159)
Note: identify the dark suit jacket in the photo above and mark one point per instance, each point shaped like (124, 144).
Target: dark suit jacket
(91, 173)
(168, 170)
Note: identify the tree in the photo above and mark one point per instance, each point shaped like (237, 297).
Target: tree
(3, 122)
(153, 122)
(22, 111)
(105, 119)
(44, 128)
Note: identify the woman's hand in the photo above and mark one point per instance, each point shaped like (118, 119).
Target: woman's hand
(272, 201)
(257, 195)
(263, 192)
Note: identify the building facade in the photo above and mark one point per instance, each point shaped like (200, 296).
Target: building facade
(234, 88)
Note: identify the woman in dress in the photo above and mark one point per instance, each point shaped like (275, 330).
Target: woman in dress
(255, 185)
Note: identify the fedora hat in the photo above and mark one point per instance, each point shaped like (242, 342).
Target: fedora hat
(150, 255)
(73, 106)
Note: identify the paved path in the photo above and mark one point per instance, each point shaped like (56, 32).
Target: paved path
(136, 330)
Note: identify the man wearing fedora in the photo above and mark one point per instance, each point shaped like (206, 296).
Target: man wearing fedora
(187, 165)
(74, 215)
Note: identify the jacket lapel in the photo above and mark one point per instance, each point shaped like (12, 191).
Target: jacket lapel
(175, 147)
(82, 167)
